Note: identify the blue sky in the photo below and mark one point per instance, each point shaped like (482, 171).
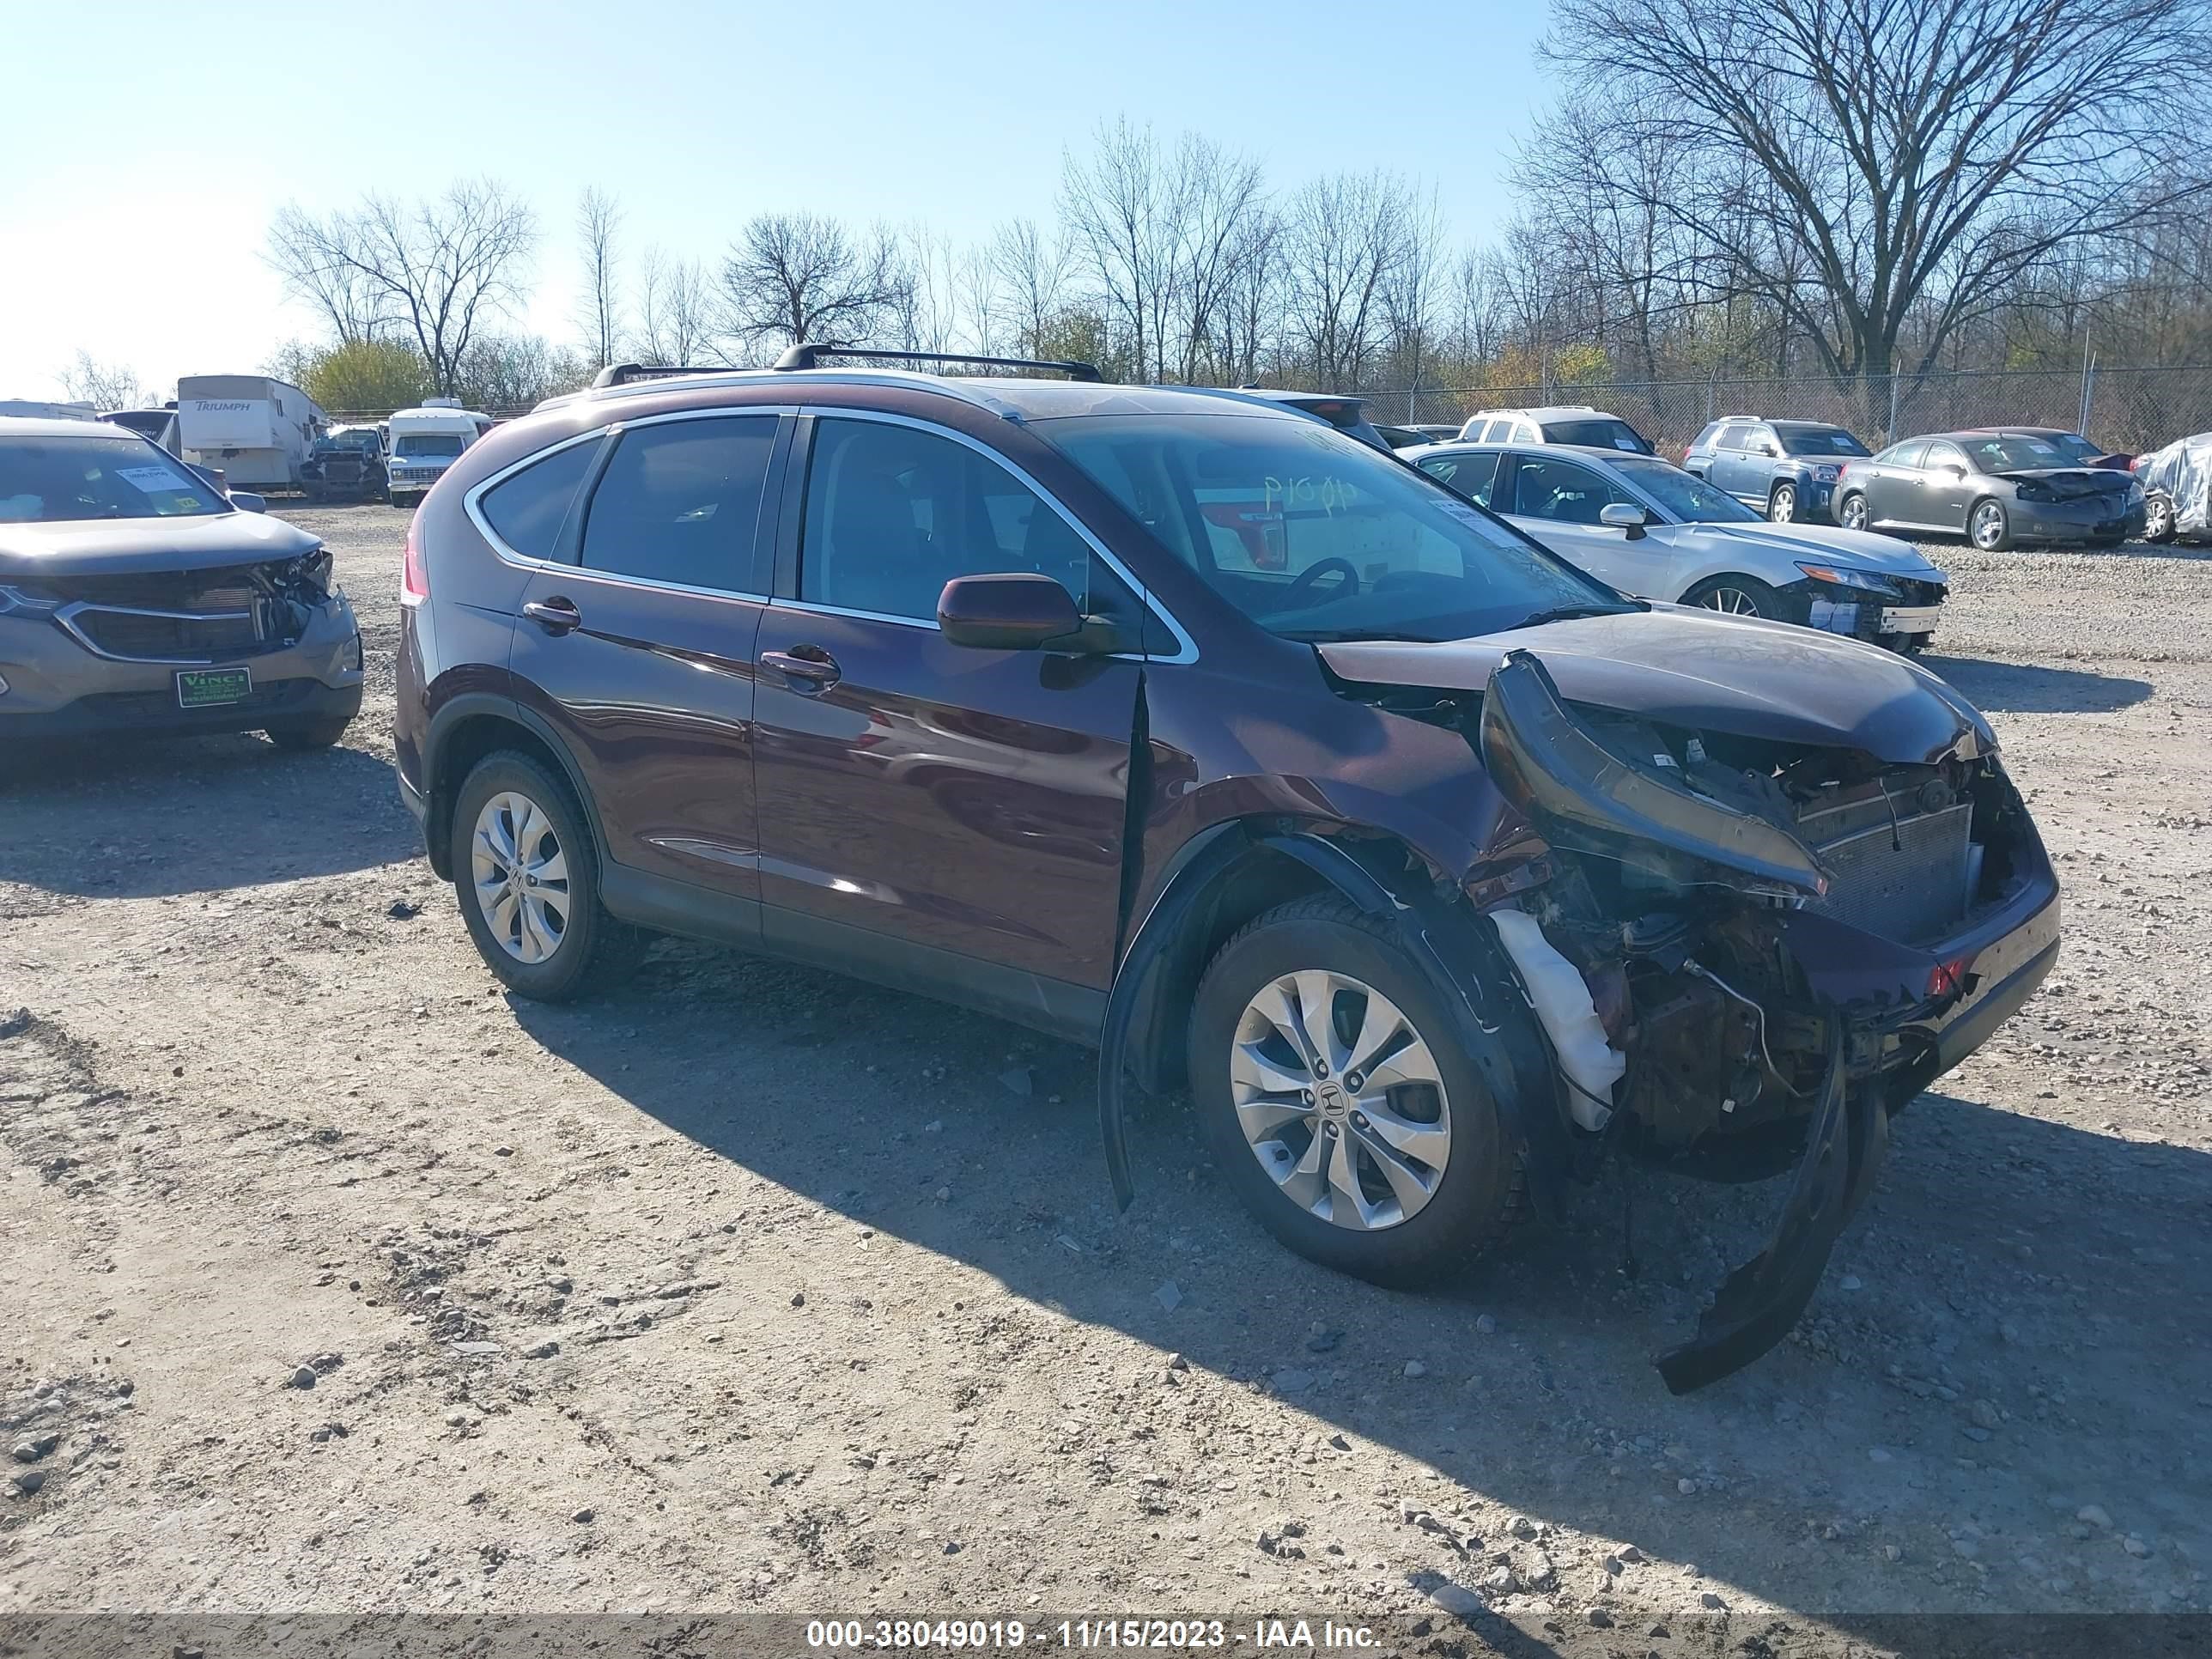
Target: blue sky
(135, 230)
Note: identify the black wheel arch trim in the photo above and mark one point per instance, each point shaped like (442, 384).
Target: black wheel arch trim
(1453, 949)
(438, 789)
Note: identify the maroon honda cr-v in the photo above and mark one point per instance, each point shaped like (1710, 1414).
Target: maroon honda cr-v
(1179, 723)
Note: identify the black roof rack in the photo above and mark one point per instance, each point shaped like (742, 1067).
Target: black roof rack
(810, 355)
(629, 374)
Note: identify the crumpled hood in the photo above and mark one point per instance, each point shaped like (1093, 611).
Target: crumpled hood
(1692, 668)
(1861, 549)
(2071, 483)
(117, 546)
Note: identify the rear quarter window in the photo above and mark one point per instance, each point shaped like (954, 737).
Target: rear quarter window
(527, 510)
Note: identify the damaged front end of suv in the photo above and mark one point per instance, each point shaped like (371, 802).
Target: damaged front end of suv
(1755, 908)
(1781, 943)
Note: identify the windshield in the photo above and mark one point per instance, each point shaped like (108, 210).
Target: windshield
(2012, 454)
(448, 444)
(1683, 496)
(2077, 451)
(1316, 536)
(1601, 433)
(56, 480)
(1818, 441)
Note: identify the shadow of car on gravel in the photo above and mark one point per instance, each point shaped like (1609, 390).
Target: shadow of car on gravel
(138, 818)
(2007, 688)
(2062, 1277)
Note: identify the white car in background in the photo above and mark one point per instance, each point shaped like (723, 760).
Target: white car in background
(1647, 527)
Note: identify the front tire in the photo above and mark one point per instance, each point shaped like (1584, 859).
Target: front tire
(1989, 526)
(1330, 1079)
(1782, 505)
(1736, 596)
(2158, 520)
(528, 877)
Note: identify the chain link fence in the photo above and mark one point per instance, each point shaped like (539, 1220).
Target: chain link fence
(2128, 410)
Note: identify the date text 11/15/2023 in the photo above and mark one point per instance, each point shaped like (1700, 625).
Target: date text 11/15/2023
(1143, 1635)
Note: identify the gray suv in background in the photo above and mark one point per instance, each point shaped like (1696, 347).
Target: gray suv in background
(1787, 470)
(136, 598)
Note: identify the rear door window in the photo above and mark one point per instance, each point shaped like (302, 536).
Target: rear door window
(680, 503)
(528, 509)
(1735, 437)
(1909, 453)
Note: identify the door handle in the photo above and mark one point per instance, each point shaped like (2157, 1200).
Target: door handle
(806, 668)
(554, 615)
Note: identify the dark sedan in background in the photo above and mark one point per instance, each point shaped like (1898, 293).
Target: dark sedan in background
(1994, 488)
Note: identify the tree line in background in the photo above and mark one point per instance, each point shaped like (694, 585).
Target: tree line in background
(1851, 189)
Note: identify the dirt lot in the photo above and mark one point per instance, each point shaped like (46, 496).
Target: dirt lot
(807, 1297)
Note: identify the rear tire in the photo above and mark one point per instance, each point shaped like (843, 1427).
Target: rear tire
(544, 945)
(1736, 596)
(1439, 1211)
(1851, 511)
(309, 734)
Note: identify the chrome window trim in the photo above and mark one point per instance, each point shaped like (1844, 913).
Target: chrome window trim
(1186, 648)
(472, 503)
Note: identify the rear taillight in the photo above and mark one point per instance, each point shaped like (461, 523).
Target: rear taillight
(1842, 468)
(414, 581)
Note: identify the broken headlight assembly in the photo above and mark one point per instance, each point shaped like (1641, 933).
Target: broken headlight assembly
(1860, 581)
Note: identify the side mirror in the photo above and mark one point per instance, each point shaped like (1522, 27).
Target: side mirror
(1017, 611)
(1624, 515)
(246, 501)
(1954, 469)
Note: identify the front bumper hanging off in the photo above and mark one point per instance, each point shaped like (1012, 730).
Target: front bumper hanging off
(1759, 1302)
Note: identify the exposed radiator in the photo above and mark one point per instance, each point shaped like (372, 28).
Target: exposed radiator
(1905, 881)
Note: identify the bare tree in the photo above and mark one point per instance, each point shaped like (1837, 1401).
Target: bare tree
(1411, 294)
(1217, 201)
(1345, 238)
(1122, 220)
(321, 262)
(924, 291)
(791, 277)
(676, 322)
(598, 228)
(1910, 159)
(1031, 268)
(106, 387)
(441, 266)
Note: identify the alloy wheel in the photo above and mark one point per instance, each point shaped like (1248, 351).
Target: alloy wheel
(2155, 520)
(1730, 601)
(1989, 526)
(1785, 507)
(1340, 1100)
(1854, 514)
(521, 874)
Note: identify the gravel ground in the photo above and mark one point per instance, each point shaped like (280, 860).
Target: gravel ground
(331, 1279)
